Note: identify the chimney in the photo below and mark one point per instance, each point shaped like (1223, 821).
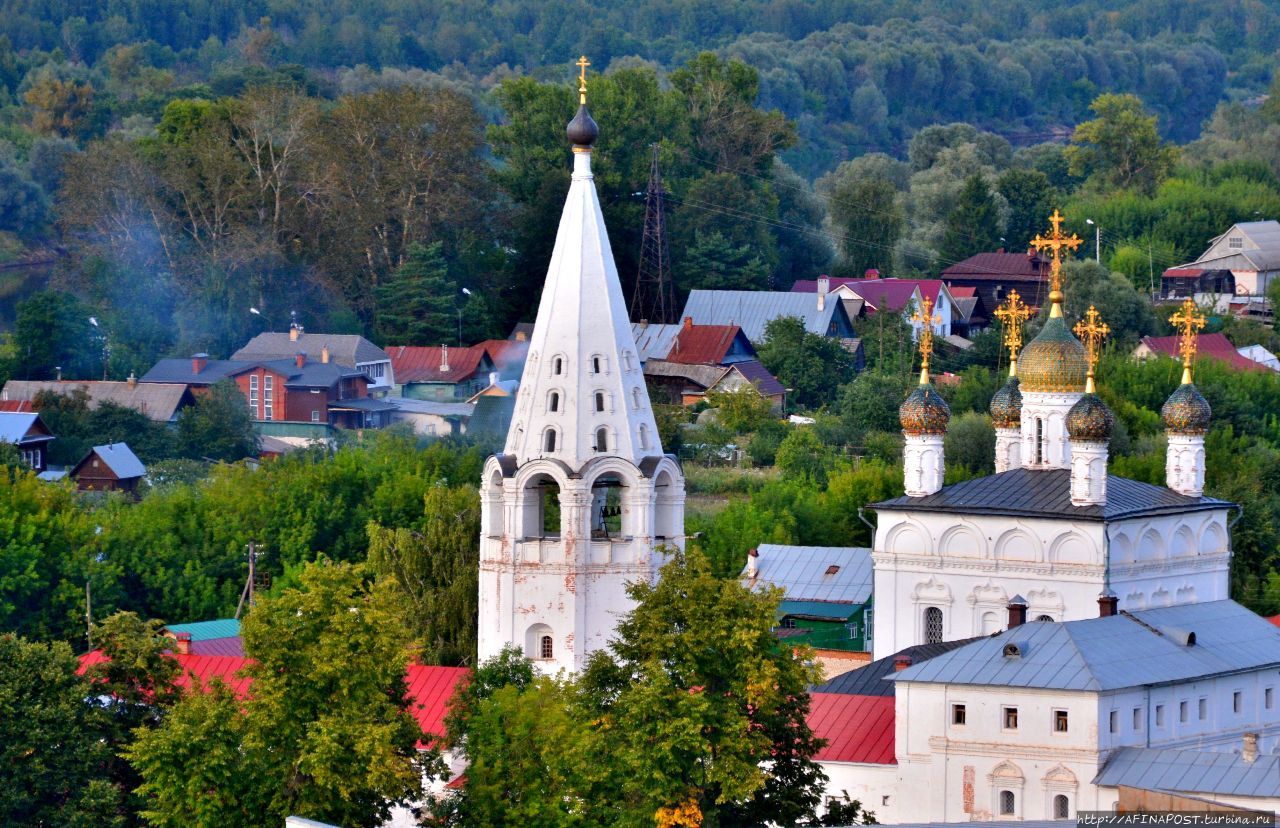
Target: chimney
(1001, 250)
(182, 643)
(324, 354)
(1249, 750)
(295, 330)
(824, 285)
(198, 362)
(58, 368)
(300, 358)
(132, 380)
(1017, 611)
(1108, 605)
(688, 322)
(493, 378)
(753, 567)
(644, 323)
(521, 336)
(901, 662)
(444, 358)
(293, 333)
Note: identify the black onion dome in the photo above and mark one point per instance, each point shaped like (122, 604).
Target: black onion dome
(1089, 420)
(582, 130)
(1006, 405)
(924, 412)
(1186, 411)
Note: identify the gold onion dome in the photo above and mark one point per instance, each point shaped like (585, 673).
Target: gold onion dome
(1006, 405)
(1089, 420)
(1186, 411)
(924, 412)
(1053, 362)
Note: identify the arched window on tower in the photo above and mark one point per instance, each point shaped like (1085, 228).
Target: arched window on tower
(608, 517)
(557, 366)
(553, 402)
(549, 441)
(644, 437)
(1039, 441)
(599, 401)
(540, 509)
(635, 398)
(539, 644)
(1044, 618)
(933, 626)
(602, 439)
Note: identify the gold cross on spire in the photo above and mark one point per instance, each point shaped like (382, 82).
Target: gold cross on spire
(1091, 333)
(582, 64)
(927, 319)
(1011, 315)
(1055, 243)
(1187, 321)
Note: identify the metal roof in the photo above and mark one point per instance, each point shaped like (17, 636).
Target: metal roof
(752, 310)
(348, 350)
(1144, 647)
(999, 266)
(205, 630)
(372, 404)
(818, 610)
(857, 728)
(653, 341)
(159, 401)
(120, 459)
(183, 371)
(704, 376)
(492, 416)
(1192, 771)
(1047, 493)
(441, 409)
(706, 344)
(417, 363)
(802, 571)
(874, 679)
(15, 428)
(753, 372)
(1214, 345)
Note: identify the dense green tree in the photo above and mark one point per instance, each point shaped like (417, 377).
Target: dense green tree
(866, 219)
(1031, 199)
(811, 366)
(713, 262)
(742, 410)
(870, 403)
(803, 456)
(52, 332)
(1121, 148)
(971, 443)
(1127, 312)
(218, 427)
(419, 303)
(973, 225)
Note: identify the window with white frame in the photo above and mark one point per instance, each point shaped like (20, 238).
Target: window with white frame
(1236, 242)
(315, 416)
(958, 714)
(1010, 718)
(267, 389)
(1203, 708)
(932, 625)
(1182, 712)
(1137, 719)
(253, 395)
(1159, 715)
(1060, 723)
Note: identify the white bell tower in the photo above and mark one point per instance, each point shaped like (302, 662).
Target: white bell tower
(582, 499)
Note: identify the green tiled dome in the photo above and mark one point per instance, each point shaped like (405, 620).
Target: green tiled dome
(924, 412)
(1089, 420)
(1054, 361)
(1006, 405)
(1186, 411)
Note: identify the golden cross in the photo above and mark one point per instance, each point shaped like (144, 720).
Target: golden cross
(1055, 243)
(1091, 333)
(927, 320)
(1187, 322)
(582, 64)
(1011, 315)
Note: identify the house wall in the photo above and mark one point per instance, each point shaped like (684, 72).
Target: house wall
(253, 385)
(875, 786)
(434, 391)
(381, 377)
(429, 424)
(970, 566)
(1151, 717)
(1137, 799)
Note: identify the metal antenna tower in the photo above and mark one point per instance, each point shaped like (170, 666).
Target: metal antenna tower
(654, 298)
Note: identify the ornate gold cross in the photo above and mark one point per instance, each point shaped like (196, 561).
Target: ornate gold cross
(1012, 314)
(927, 319)
(582, 64)
(1055, 243)
(1091, 333)
(1187, 321)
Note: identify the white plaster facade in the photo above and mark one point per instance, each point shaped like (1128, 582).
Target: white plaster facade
(1045, 444)
(922, 463)
(583, 500)
(1184, 464)
(969, 566)
(1088, 473)
(1008, 449)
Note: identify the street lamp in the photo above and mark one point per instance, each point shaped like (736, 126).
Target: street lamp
(1097, 241)
(468, 293)
(106, 354)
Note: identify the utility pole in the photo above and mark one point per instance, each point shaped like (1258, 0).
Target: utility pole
(247, 592)
(88, 615)
(654, 297)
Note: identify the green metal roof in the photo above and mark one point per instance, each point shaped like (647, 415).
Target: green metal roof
(207, 630)
(819, 610)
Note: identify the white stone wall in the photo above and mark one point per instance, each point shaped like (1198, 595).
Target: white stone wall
(1154, 717)
(1044, 420)
(875, 786)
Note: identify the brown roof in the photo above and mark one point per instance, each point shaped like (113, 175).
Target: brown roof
(1214, 345)
(160, 401)
(420, 363)
(995, 266)
(702, 344)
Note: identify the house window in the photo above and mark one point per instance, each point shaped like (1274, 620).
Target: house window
(1159, 715)
(1137, 719)
(315, 416)
(253, 395)
(1007, 803)
(1011, 718)
(550, 440)
(553, 402)
(546, 649)
(1268, 697)
(1203, 709)
(1182, 711)
(1113, 722)
(1236, 242)
(957, 714)
(602, 439)
(788, 623)
(599, 401)
(1061, 807)
(1059, 721)
(933, 626)
(1237, 701)
(267, 382)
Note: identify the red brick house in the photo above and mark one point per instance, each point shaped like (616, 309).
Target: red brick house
(301, 390)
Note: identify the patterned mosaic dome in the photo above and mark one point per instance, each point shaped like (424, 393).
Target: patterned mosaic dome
(1089, 420)
(1006, 405)
(1054, 361)
(924, 412)
(1186, 411)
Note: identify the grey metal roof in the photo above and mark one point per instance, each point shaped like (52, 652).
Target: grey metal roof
(1265, 234)
(752, 310)
(802, 572)
(182, 370)
(491, 417)
(654, 341)
(441, 409)
(1047, 493)
(875, 679)
(1192, 771)
(704, 376)
(345, 349)
(159, 401)
(752, 371)
(121, 460)
(14, 426)
(1144, 647)
(312, 374)
(371, 404)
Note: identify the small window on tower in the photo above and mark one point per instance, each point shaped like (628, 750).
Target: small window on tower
(602, 439)
(599, 401)
(635, 398)
(553, 402)
(557, 366)
(545, 647)
(644, 436)
(551, 440)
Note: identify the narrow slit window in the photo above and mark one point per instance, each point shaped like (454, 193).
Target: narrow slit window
(602, 439)
(551, 439)
(553, 403)
(599, 401)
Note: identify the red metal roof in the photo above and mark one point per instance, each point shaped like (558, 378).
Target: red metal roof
(502, 351)
(996, 266)
(16, 406)
(702, 344)
(416, 363)
(204, 667)
(1275, 619)
(857, 728)
(964, 292)
(1214, 345)
(1183, 272)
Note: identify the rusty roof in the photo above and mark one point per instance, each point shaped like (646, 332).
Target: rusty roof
(160, 401)
(704, 344)
(423, 363)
